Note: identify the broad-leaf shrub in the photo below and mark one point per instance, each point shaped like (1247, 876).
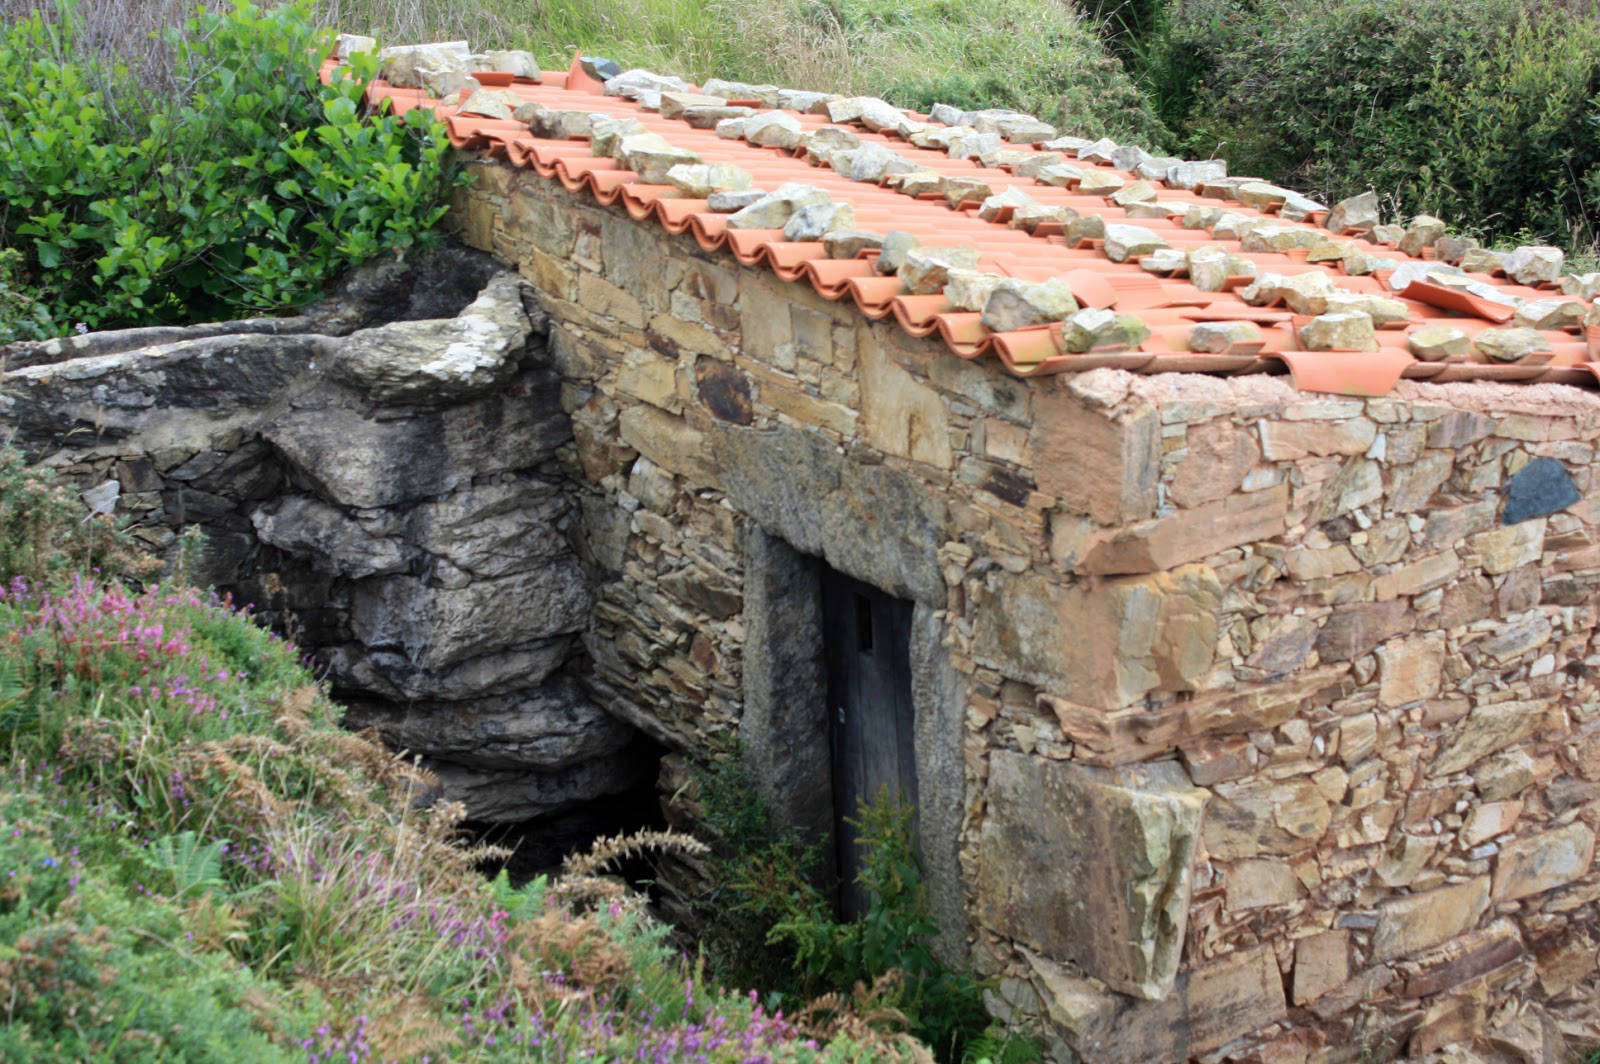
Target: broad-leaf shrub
(1483, 112)
(247, 190)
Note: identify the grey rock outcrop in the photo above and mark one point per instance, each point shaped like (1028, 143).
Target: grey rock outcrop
(386, 490)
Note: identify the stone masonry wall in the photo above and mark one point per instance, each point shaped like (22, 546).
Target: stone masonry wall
(1274, 735)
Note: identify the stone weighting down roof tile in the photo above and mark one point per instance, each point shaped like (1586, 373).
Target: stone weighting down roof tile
(1040, 252)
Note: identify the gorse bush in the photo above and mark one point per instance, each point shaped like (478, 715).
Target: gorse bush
(243, 185)
(1483, 112)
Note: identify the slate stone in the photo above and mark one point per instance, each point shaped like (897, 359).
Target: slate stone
(1541, 487)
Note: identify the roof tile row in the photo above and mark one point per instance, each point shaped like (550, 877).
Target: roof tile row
(1167, 266)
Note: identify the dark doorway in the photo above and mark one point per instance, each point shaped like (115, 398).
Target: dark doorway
(867, 639)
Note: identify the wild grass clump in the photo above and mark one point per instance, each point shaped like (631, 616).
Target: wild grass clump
(197, 863)
(1038, 56)
(206, 174)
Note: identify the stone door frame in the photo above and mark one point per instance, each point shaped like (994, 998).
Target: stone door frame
(784, 736)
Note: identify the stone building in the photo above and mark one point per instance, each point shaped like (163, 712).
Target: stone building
(1215, 569)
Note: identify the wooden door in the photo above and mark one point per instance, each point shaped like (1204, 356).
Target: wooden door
(868, 644)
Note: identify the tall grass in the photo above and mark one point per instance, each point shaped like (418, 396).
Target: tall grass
(1039, 56)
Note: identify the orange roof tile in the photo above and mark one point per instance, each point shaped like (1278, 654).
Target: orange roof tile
(1168, 305)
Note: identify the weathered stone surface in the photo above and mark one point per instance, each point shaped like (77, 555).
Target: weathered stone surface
(1220, 454)
(1092, 329)
(1410, 670)
(1542, 862)
(816, 220)
(774, 129)
(435, 627)
(1416, 922)
(1535, 264)
(1541, 487)
(1124, 842)
(1017, 304)
(1210, 1006)
(333, 542)
(1551, 314)
(1321, 963)
(1209, 337)
(774, 209)
(360, 461)
(1254, 884)
(1508, 345)
(1192, 534)
(546, 728)
(1125, 242)
(1246, 820)
(1424, 231)
(651, 156)
(520, 795)
(1489, 727)
(1353, 630)
(1339, 331)
(927, 269)
(1097, 465)
(1438, 343)
(701, 180)
(433, 363)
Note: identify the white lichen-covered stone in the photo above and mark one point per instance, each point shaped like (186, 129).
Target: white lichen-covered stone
(1010, 198)
(1138, 192)
(1582, 286)
(1509, 345)
(1124, 242)
(1211, 266)
(1340, 331)
(969, 290)
(515, 61)
(773, 129)
(1535, 264)
(850, 243)
(492, 103)
(773, 210)
(651, 156)
(403, 65)
(1190, 174)
(927, 269)
(700, 180)
(1099, 183)
(815, 220)
(1214, 337)
(1383, 310)
(1438, 343)
(1424, 232)
(1551, 314)
(1261, 195)
(1357, 212)
(1092, 328)
(1016, 304)
(871, 162)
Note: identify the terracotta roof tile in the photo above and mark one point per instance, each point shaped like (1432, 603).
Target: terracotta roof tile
(1169, 304)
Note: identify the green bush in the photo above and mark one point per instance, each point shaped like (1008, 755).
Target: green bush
(771, 919)
(1483, 112)
(246, 189)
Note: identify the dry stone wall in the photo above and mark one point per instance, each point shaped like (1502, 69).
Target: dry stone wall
(1253, 724)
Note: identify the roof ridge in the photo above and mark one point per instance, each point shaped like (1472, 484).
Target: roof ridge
(1039, 250)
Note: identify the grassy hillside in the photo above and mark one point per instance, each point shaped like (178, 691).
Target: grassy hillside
(197, 864)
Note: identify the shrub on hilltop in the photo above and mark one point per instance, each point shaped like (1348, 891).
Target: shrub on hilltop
(224, 180)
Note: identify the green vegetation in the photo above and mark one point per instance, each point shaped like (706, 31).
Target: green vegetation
(771, 921)
(234, 183)
(197, 864)
(1482, 112)
(1034, 55)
